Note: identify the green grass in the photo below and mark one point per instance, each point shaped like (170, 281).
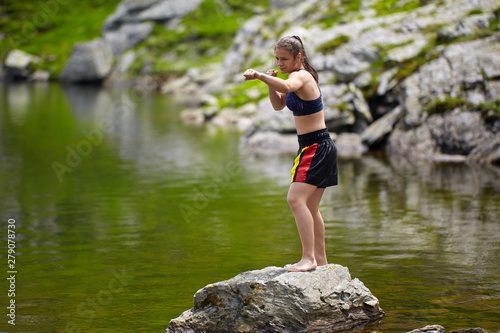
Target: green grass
(206, 33)
(238, 96)
(203, 37)
(50, 28)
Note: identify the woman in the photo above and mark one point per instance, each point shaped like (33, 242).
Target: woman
(315, 166)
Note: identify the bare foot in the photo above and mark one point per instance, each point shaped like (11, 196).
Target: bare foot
(303, 266)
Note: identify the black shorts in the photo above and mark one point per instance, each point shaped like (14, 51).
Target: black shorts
(316, 161)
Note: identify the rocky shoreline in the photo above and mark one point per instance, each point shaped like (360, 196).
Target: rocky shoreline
(420, 80)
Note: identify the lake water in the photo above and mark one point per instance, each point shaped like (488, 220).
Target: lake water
(122, 213)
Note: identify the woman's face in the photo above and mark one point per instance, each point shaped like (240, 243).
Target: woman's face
(286, 62)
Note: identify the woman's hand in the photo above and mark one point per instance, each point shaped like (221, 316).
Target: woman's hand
(251, 74)
(272, 72)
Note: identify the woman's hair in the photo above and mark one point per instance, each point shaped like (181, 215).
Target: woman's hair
(294, 45)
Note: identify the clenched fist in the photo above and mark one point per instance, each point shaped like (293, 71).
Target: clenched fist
(251, 74)
(272, 72)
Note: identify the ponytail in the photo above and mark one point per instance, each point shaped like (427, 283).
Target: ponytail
(295, 46)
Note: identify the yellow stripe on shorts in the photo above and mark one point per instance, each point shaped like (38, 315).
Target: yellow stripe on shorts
(297, 162)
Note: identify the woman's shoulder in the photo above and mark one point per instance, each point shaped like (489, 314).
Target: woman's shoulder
(301, 74)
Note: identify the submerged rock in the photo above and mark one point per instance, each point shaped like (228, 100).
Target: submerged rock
(274, 300)
(429, 329)
(441, 329)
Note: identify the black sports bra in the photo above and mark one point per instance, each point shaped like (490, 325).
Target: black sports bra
(300, 107)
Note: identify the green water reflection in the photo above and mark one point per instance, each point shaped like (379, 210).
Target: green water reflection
(122, 213)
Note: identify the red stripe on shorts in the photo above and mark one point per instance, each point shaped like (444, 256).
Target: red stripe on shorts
(305, 163)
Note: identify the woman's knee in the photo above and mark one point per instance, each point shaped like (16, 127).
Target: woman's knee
(295, 200)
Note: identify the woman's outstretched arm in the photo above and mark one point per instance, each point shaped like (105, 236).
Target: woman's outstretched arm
(277, 87)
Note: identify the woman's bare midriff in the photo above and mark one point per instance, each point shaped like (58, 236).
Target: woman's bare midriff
(310, 123)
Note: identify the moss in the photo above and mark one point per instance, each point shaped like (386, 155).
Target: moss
(202, 38)
(49, 29)
(410, 66)
(387, 7)
(330, 46)
(489, 110)
(437, 106)
(475, 12)
(334, 13)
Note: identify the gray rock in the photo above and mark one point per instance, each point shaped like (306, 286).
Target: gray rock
(350, 60)
(267, 119)
(88, 62)
(359, 103)
(462, 72)
(470, 330)
(283, 3)
(350, 145)
(131, 23)
(267, 140)
(381, 127)
(487, 152)
(387, 81)
(416, 142)
(17, 65)
(274, 300)
(17, 59)
(40, 75)
(126, 12)
(246, 44)
(458, 132)
(339, 107)
(429, 329)
(168, 9)
(465, 27)
(127, 36)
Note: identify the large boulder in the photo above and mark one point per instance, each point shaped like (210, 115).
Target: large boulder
(274, 300)
(88, 62)
(379, 129)
(467, 71)
(135, 11)
(127, 36)
(462, 80)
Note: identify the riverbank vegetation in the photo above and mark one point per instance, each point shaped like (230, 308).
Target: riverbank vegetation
(49, 29)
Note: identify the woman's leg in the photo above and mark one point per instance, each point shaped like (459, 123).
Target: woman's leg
(319, 227)
(299, 196)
